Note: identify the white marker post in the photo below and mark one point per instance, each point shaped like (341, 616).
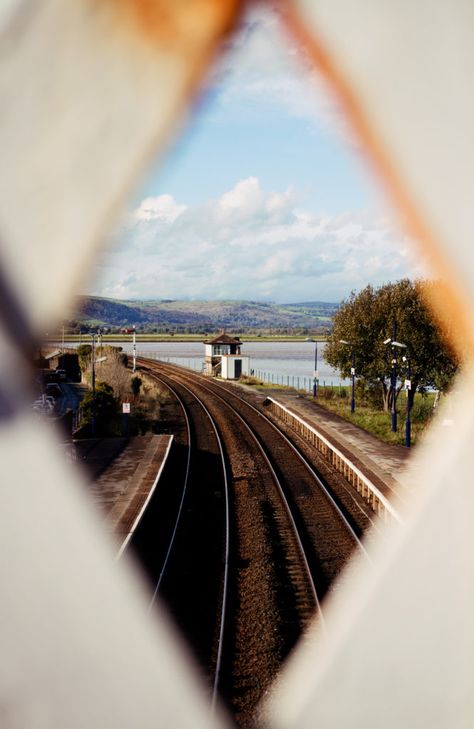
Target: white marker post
(125, 415)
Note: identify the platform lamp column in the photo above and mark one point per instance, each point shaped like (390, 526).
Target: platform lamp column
(408, 388)
(394, 380)
(315, 380)
(394, 345)
(343, 341)
(134, 366)
(353, 404)
(93, 386)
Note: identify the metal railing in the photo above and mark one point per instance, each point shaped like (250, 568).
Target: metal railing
(363, 485)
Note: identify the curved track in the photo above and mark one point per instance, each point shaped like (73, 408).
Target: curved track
(289, 539)
(221, 615)
(185, 512)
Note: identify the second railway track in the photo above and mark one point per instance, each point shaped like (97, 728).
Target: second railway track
(289, 541)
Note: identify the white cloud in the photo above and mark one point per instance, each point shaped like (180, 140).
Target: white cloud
(251, 243)
(162, 207)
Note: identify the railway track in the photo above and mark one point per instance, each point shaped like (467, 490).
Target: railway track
(183, 539)
(289, 540)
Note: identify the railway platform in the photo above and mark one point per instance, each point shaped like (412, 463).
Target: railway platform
(123, 475)
(381, 462)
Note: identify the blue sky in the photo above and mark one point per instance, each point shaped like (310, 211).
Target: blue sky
(266, 195)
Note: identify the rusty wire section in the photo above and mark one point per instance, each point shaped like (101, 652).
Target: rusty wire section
(404, 107)
(90, 91)
(401, 643)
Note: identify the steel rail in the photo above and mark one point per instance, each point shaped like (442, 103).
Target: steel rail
(181, 504)
(306, 463)
(225, 580)
(280, 489)
(300, 455)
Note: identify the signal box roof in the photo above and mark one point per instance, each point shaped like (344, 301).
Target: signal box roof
(223, 339)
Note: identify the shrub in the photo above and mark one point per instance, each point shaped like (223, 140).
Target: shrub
(104, 407)
(421, 411)
(84, 352)
(135, 385)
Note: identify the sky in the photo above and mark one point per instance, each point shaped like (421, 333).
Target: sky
(265, 197)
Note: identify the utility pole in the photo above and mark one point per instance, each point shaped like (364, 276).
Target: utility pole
(394, 379)
(408, 387)
(353, 402)
(315, 380)
(134, 366)
(93, 386)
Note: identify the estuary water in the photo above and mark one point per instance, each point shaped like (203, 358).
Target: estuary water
(279, 362)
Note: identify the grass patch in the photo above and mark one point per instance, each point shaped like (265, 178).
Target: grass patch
(377, 422)
(261, 384)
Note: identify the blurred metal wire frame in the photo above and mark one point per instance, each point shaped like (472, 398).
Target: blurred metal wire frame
(90, 90)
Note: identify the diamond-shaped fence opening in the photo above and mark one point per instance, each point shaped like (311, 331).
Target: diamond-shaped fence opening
(90, 90)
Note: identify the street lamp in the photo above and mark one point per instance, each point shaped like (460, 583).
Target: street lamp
(93, 385)
(94, 362)
(393, 343)
(134, 348)
(343, 341)
(406, 358)
(315, 380)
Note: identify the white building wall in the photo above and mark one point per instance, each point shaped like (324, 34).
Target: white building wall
(229, 366)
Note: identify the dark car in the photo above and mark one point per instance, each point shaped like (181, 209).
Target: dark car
(53, 389)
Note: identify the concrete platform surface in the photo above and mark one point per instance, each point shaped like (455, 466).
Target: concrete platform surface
(124, 473)
(381, 462)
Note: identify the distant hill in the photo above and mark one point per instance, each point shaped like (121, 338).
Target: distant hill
(202, 315)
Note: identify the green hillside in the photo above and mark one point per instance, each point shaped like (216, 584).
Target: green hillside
(181, 315)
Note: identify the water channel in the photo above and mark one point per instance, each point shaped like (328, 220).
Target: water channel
(286, 363)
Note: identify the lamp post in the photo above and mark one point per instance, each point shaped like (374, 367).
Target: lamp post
(93, 385)
(134, 367)
(343, 341)
(315, 380)
(95, 361)
(394, 344)
(394, 390)
(408, 388)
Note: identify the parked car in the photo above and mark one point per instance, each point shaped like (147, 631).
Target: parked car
(61, 374)
(54, 390)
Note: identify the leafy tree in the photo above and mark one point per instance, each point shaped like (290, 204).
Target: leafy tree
(367, 318)
(84, 352)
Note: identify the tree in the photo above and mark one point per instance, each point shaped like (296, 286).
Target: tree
(367, 318)
(84, 352)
